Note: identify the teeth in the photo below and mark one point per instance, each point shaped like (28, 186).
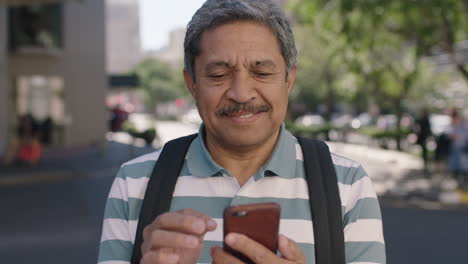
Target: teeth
(246, 116)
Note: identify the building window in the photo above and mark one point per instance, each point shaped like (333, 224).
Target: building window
(35, 28)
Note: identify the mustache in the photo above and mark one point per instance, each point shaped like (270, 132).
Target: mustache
(245, 107)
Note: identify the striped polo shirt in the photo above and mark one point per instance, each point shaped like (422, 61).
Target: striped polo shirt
(205, 186)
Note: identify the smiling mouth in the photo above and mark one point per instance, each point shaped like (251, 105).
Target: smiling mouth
(242, 115)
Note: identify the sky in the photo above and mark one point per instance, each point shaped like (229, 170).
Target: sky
(159, 17)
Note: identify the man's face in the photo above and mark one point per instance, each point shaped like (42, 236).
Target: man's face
(240, 84)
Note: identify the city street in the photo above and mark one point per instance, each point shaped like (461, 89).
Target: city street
(89, 85)
(58, 219)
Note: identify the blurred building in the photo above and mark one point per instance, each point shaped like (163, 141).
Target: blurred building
(52, 65)
(123, 35)
(173, 52)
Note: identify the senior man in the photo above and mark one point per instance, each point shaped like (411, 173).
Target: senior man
(240, 67)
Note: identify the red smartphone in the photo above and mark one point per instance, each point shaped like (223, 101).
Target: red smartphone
(259, 222)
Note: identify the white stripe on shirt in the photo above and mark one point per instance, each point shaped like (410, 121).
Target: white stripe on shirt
(364, 230)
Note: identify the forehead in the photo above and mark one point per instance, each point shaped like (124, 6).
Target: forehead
(240, 42)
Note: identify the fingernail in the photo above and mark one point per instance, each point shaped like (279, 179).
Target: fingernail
(198, 226)
(172, 258)
(283, 241)
(211, 223)
(231, 239)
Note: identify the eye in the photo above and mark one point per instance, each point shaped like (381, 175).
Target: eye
(263, 74)
(216, 76)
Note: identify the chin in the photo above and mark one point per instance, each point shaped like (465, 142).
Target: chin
(243, 139)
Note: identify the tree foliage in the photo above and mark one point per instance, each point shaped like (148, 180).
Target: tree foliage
(430, 26)
(383, 44)
(159, 81)
(322, 75)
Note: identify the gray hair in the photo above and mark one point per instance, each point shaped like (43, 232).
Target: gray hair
(214, 13)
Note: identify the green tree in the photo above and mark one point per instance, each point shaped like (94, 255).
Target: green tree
(322, 77)
(159, 81)
(387, 41)
(431, 26)
(399, 37)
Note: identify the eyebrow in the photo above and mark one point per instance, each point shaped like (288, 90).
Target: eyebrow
(265, 63)
(216, 64)
(223, 64)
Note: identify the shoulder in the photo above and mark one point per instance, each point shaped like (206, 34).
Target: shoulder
(132, 178)
(140, 167)
(348, 171)
(342, 161)
(152, 157)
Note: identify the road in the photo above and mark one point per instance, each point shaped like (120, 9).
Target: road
(425, 236)
(59, 221)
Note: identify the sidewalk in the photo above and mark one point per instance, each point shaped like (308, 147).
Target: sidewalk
(400, 179)
(67, 163)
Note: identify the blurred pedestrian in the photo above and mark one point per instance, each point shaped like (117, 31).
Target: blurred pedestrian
(24, 147)
(442, 150)
(423, 132)
(458, 157)
(46, 130)
(119, 116)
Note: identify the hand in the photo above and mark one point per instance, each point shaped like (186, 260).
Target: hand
(175, 237)
(290, 251)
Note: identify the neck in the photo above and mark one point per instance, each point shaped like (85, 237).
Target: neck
(244, 161)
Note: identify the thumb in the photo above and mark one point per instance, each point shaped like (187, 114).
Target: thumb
(290, 250)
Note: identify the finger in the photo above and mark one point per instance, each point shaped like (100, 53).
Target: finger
(182, 222)
(250, 248)
(218, 255)
(210, 223)
(290, 250)
(160, 256)
(189, 224)
(170, 239)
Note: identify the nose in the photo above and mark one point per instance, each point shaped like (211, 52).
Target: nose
(242, 88)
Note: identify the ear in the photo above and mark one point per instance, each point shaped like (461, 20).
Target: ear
(190, 83)
(291, 79)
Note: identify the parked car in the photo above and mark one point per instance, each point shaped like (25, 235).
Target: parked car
(342, 121)
(192, 117)
(310, 120)
(362, 120)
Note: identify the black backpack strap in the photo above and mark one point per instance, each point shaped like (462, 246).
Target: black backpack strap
(161, 185)
(325, 202)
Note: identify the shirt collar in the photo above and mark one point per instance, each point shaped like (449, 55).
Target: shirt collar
(281, 163)
(199, 161)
